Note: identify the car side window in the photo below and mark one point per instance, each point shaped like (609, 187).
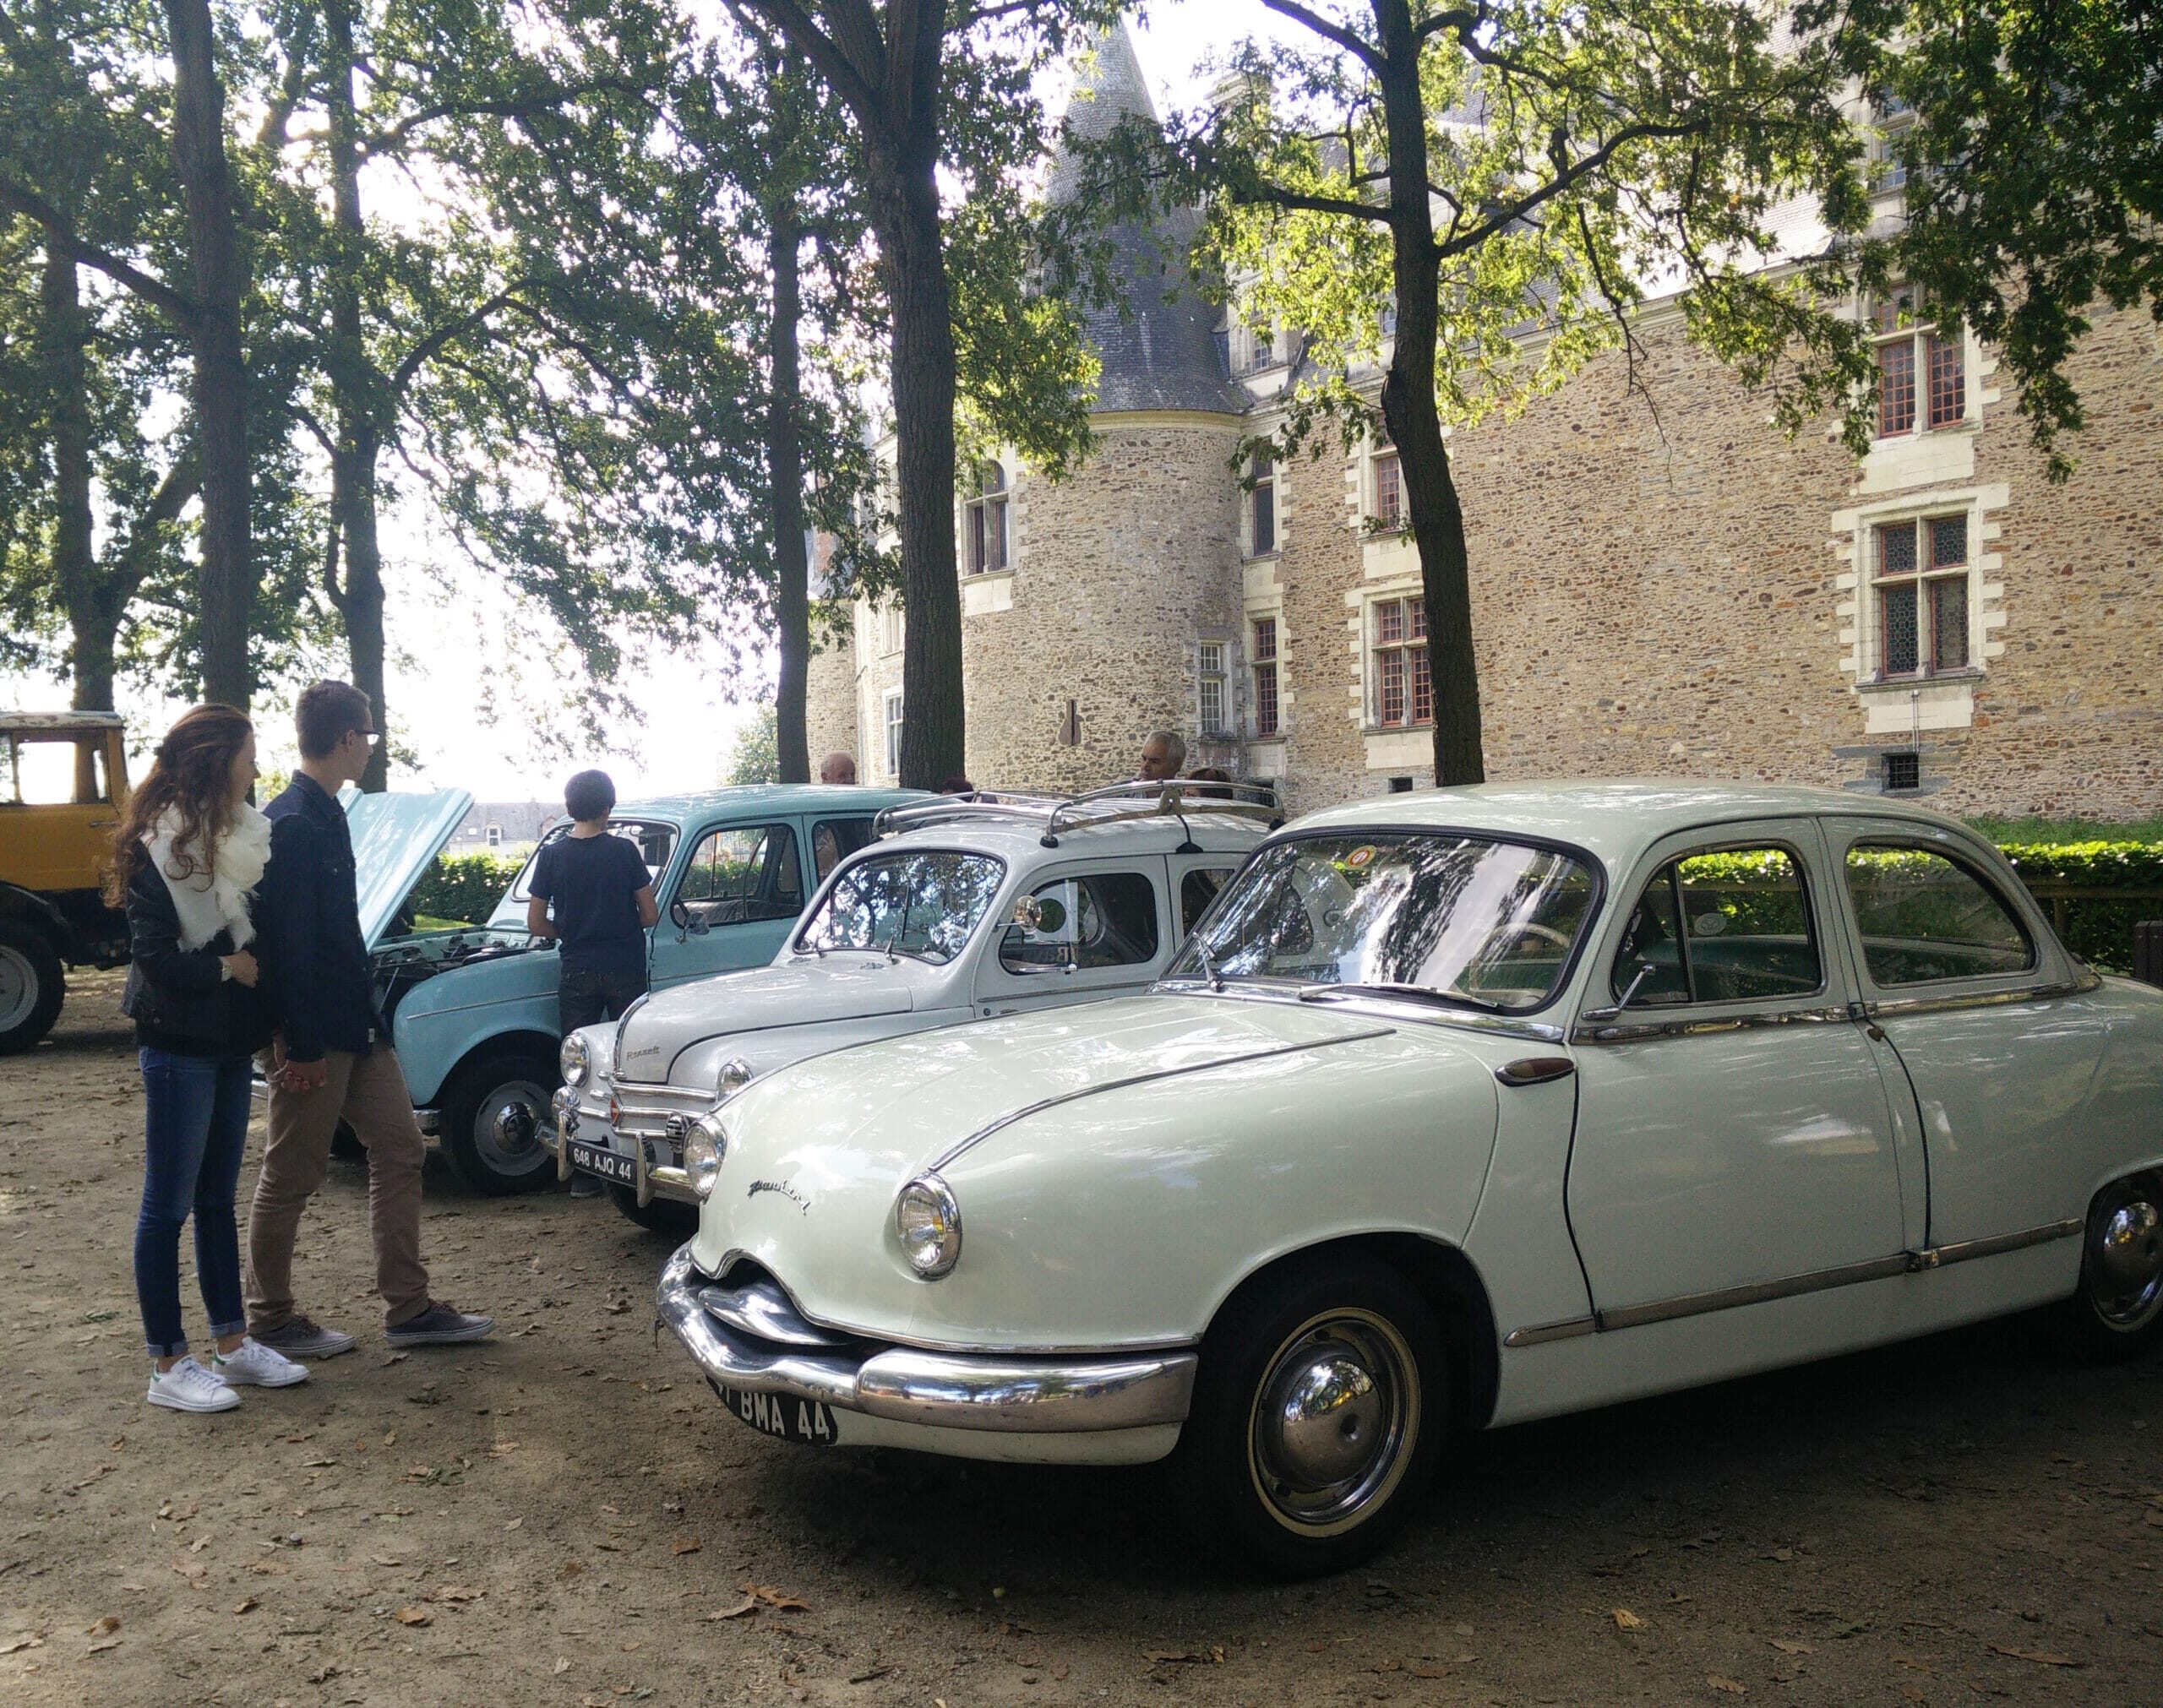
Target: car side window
(742, 873)
(1731, 926)
(1102, 919)
(834, 840)
(1197, 889)
(1924, 917)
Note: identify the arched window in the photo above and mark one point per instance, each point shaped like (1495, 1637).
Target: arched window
(987, 520)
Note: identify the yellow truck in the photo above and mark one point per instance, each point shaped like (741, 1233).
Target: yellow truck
(63, 781)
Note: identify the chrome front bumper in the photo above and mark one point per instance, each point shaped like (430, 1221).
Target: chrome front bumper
(752, 1339)
(651, 1180)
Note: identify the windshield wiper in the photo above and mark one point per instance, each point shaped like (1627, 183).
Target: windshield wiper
(1415, 992)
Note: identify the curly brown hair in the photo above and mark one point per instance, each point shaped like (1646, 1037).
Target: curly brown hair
(190, 774)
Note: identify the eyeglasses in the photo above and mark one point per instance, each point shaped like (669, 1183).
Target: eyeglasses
(371, 736)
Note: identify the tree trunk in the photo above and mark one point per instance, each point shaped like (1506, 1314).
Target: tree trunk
(905, 200)
(355, 397)
(227, 578)
(1414, 422)
(63, 333)
(785, 479)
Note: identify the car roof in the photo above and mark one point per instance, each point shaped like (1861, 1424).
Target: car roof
(753, 798)
(1019, 841)
(1612, 818)
(23, 722)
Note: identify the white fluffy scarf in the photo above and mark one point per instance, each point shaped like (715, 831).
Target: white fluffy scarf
(215, 901)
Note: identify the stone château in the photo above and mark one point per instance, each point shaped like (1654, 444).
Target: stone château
(1672, 587)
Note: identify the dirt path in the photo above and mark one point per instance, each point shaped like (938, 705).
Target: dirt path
(564, 1516)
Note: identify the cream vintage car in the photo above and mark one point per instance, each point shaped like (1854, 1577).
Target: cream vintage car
(918, 929)
(1459, 1109)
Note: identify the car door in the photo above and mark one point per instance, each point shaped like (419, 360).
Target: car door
(1991, 1024)
(731, 903)
(1196, 880)
(1095, 931)
(1735, 1140)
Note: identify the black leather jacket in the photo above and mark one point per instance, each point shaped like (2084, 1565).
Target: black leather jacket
(179, 999)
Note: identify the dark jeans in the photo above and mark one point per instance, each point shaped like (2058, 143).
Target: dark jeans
(195, 1110)
(586, 997)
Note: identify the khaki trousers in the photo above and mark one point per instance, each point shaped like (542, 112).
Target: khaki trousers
(368, 1093)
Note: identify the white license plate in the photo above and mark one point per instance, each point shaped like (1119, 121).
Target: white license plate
(606, 1164)
(783, 1416)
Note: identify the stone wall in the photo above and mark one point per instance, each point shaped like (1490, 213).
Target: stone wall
(1663, 585)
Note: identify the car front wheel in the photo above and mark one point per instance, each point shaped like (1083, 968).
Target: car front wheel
(31, 986)
(678, 1221)
(2119, 1312)
(1317, 1418)
(494, 1111)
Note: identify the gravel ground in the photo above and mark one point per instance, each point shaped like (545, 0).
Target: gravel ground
(565, 1516)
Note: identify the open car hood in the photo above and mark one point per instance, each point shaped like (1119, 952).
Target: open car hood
(395, 839)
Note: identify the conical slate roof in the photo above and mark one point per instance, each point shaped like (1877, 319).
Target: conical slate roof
(1156, 354)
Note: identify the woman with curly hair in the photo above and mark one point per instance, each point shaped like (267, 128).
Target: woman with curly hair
(186, 857)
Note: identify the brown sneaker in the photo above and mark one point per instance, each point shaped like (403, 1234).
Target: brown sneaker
(439, 1325)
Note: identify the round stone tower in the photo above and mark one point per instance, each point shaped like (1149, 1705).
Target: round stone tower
(1123, 581)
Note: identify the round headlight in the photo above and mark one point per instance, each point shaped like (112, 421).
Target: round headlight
(928, 1223)
(735, 1075)
(574, 1059)
(706, 1142)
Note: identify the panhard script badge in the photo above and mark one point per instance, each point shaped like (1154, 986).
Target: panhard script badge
(784, 1189)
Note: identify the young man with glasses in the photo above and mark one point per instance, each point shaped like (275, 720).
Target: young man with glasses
(332, 1060)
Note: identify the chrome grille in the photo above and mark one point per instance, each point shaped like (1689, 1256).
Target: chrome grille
(654, 1111)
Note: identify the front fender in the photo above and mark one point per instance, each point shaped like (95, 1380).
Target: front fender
(442, 1022)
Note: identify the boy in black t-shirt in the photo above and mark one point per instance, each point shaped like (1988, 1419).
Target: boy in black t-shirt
(604, 906)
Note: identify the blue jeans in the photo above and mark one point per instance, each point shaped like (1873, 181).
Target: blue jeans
(196, 1126)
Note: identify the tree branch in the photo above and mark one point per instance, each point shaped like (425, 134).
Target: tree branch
(859, 86)
(1368, 56)
(15, 198)
(427, 349)
(1473, 236)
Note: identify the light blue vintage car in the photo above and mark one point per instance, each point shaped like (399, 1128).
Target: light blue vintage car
(473, 1010)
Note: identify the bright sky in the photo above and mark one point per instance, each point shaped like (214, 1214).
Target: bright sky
(460, 671)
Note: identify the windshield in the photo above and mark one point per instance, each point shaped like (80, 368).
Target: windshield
(923, 903)
(1489, 923)
(655, 842)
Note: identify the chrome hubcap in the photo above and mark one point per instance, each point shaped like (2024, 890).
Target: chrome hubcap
(18, 988)
(506, 1131)
(2125, 1261)
(1333, 1421)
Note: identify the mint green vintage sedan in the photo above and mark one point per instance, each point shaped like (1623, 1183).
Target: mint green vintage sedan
(1459, 1109)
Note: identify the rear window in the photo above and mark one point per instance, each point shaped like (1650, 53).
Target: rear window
(1926, 918)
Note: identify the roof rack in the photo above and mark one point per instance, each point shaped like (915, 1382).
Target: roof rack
(23, 722)
(1174, 797)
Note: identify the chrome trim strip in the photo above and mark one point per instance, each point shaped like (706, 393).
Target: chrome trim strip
(1962, 1251)
(1541, 1333)
(1603, 1032)
(938, 1390)
(1054, 1101)
(1757, 1292)
(761, 1309)
(1899, 1006)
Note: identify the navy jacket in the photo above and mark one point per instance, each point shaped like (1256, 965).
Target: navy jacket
(308, 921)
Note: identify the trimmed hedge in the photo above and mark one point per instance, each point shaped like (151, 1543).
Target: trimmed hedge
(464, 886)
(2096, 925)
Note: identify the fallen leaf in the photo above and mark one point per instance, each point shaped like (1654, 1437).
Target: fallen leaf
(779, 1600)
(2041, 1657)
(1624, 1620)
(866, 1677)
(99, 1648)
(248, 1606)
(562, 1666)
(1431, 1671)
(95, 1473)
(498, 1450)
(618, 1307)
(1731, 1686)
(21, 1644)
(316, 1463)
(457, 1592)
(1793, 1648)
(515, 1524)
(750, 1606)
(414, 1616)
(105, 1627)
(689, 1544)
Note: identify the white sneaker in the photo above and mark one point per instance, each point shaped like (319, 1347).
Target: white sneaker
(189, 1387)
(252, 1364)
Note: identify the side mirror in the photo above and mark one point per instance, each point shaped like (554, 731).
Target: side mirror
(680, 916)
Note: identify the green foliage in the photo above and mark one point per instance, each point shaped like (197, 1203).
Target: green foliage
(2097, 927)
(2033, 166)
(463, 888)
(755, 757)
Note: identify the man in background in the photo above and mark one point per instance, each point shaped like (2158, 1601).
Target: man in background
(1163, 755)
(332, 1059)
(837, 768)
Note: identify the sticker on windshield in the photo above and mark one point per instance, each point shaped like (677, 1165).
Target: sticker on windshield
(1359, 858)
